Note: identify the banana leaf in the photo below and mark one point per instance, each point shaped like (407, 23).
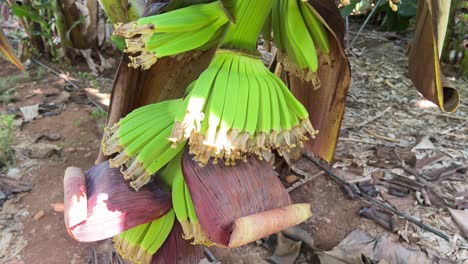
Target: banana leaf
(424, 55)
(236, 205)
(326, 104)
(100, 204)
(8, 52)
(177, 250)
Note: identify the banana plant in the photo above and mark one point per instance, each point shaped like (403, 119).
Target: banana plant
(8, 52)
(218, 110)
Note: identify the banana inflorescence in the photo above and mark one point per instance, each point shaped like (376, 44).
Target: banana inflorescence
(139, 244)
(238, 107)
(235, 108)
(172, 33)
(140, 139)
(299, 35)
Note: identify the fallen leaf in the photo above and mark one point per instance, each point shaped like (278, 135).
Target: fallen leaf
(461, 218)
(359, 245)
(424, 144)
(30, 112)
(287, 250)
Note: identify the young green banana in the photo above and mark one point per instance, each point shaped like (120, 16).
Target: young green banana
(172, 33)
(316, 28)
(140, 243)
(218, 125)
(140, 141)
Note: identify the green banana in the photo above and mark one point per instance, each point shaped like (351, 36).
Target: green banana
(140, 141)
(216, 107)
(316, 28)
(189, 18)
(167, 175)
(189, 119)
(189, 41)
(246, 109)
(178, 200)
(154, 238)
(198, 234)
(128, 242)
(299, 34)
(172, 33)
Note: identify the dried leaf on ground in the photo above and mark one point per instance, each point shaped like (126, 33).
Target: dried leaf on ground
(30, 112)
(461, 218)
(359, 245)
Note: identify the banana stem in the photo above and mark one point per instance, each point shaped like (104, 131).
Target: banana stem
(250, 15)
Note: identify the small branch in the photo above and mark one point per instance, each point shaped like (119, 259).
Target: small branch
(60, 75)
(373, 134)
(373, 118)
(308, 178)
(447, 115)
(66, 79)
(374, 201)
(211, 257)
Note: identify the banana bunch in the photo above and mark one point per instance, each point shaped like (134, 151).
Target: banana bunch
(182, 202)
(299, 34)
(140, 243)
(238, 107)
(140, 139)
(172, 33)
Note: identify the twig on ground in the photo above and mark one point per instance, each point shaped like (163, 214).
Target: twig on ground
(210, 256)
(60, 75)
(374, 201)
(67, 79)
(373, 118)
(374, 134)
(307, 178)
(447, 115)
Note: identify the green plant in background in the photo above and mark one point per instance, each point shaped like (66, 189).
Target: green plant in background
(391, 15)
(7, 154)
(39, 13)
(397, 16)
(97, 113)
(8, 83)
(456, 39)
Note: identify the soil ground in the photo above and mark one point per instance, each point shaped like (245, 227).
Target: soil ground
(27, 237)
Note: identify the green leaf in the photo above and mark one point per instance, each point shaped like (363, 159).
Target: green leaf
(407, 8)
(28, 12)
(75, 24)
(347, 10)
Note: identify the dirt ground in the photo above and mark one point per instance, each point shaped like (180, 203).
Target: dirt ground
(31, 231)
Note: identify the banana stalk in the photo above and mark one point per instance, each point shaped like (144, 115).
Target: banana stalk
(99, 204)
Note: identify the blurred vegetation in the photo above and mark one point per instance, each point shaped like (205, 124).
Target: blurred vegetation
(7, 154)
